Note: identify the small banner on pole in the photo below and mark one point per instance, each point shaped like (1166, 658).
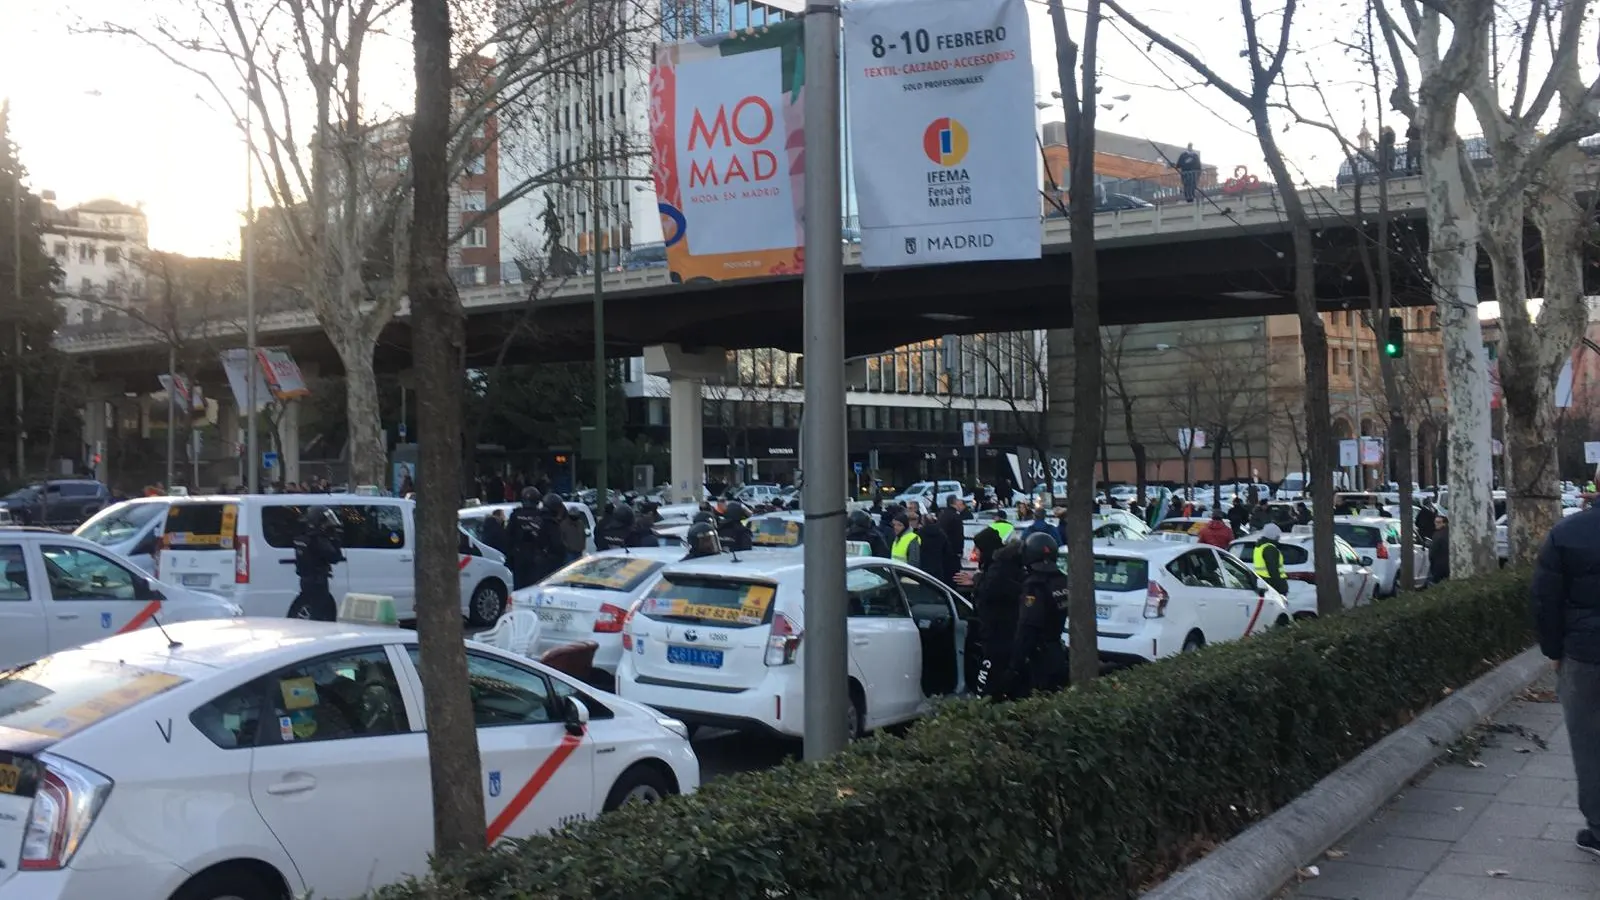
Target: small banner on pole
(942, 116)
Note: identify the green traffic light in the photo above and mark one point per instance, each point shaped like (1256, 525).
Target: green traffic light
(1391, 349)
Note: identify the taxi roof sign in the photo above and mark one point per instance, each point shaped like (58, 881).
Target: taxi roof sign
(857, 548)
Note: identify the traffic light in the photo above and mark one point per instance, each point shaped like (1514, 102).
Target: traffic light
(1394, 346)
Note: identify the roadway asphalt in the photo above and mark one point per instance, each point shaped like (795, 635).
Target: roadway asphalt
(724, 753)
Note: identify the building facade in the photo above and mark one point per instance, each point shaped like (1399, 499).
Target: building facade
(101, 247)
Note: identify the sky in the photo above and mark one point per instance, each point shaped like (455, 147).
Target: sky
(97, 116)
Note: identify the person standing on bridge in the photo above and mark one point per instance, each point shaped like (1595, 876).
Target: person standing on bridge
(1188, 166)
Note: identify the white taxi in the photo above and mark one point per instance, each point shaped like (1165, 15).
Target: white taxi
(1357, 584)
(777, 529)
(722, 643)
(1160, 597)
(59, 591)
(588, 600)
(1376, 540)
(287, 758)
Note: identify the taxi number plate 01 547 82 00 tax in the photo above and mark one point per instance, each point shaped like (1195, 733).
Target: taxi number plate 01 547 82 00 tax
(695, 656)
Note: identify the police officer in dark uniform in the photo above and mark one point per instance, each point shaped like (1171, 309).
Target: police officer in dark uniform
(861, 529)
(524, 533)
(316, 550)
(1038, 661)
(702, 540)
(995, 590)
(550, 553)
(733, 531)
(614, 530)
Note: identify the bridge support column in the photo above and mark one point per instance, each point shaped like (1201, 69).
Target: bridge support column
(687, 371)
(289, 440)
(95, 433)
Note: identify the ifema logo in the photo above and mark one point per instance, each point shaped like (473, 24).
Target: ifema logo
(945, 141)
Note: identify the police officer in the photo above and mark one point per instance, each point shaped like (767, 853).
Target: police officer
(702, 540)
(524, 537)
(1038, 661)
(995, 590)
(1268, 559)
(615, 530)
(316, 550)
(550, 553)
(861, 529)
(732, 530)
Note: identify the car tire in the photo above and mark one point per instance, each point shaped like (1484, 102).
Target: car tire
(1193, 642)
(855, 724)
(225, 883)
(640, 784)
(487, 604)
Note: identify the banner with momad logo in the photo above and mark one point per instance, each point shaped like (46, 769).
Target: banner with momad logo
(726, 124)
(942, 119)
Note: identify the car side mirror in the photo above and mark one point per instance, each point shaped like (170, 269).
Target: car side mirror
(1261, 591)
(141, 587)
(576, 716)
(147, 546)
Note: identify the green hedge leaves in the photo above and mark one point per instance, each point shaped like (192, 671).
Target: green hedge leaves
(1084, 794)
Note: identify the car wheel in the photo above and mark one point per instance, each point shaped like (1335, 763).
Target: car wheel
(853, 723)
(487, 604)
(641, 785)
(223, 883)
(1193, 642)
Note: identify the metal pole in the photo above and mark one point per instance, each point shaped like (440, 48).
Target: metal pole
(16, 296)
(826, 668)
(172, 415)
(601, 439)
(974, 438)
(252, 461)
(1358, 478)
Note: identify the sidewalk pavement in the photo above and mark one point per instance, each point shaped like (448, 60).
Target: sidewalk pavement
(1498, 829)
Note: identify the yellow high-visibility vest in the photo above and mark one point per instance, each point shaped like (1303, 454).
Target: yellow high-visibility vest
(902, 545)
(1260, 560)
(1003, 529)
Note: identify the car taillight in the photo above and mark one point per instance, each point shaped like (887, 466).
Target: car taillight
(1307, 577)
(1383, 550)
(241, 560)
(973, 556)
(783, 644)
(611, 619)
(1155, 601)
(66, 803)
(627, 625)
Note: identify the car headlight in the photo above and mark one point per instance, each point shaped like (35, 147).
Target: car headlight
(673, 725)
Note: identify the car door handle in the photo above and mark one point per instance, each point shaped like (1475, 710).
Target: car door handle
(294, 784)
(66, 617)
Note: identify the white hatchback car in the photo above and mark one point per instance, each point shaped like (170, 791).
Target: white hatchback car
(287, 758)
(1160, 597)
(59, 591)
(722, 643)
(1376, 539)
(588, 600)
(1356, 581)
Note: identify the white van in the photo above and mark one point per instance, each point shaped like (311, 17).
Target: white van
(242, 548)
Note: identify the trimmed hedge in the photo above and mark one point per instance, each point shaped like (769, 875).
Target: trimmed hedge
(1083, 794)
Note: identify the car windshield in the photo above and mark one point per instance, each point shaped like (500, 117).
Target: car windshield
(116, 524)
(605, 573)
(698, 598)
(66, 693)
(23, 494)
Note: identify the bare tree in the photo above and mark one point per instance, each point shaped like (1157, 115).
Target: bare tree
(1115, 342)
(1015, 365)
(1258, 99)
(458, 810)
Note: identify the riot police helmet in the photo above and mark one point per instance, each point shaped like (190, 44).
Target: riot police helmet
(735, 512)
(703, 515)
(860, 520)
(622, 514)
(553, 504)
(321, 518)
(530, 496)
(702, 540)
(1039, 551)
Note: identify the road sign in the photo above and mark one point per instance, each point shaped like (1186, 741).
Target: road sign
(269, 460)
(1591, 452)
(859, 467)
(1349, 453)
(402, 432)
(974, 432)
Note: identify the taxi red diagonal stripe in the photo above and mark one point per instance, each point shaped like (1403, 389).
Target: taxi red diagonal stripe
(465, 561)
(529, 791)
(141, 617)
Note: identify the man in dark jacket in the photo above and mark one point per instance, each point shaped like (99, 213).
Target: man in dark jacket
(1439, 550)
(937, 558)
(860, 528)
(950, 522)
(1238, 515)
(1566, 611)
(1424, 520)
(1038, 660)
(995, 599)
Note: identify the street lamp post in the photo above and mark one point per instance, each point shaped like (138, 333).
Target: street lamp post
(252, 439)
(16, 296)
(601, 438)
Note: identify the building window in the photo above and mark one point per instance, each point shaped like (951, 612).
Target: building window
(476, 165)
(61, 249)
(85, 252)
(113, 256)
(86, 288)
(475, 239)
(473, 201)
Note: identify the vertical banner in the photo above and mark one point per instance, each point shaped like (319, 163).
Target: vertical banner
(941, 99)
(726, 126)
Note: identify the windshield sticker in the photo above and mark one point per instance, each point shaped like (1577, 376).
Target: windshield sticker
(76, 718)
(285, 729)
(298, 693)
(757, 597)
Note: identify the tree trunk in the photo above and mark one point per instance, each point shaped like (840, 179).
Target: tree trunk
(1088, 374)
(368, 454)
(458, 809)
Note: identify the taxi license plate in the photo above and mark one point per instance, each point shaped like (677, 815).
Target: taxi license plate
(196, 580)
(1102, 612)
(556, 619)
(695, 656)
(10, 778)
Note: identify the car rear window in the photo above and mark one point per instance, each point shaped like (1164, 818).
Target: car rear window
(775, 532)
(699, 598)
(605, 573)
(1359, 536)
(1117, 573)
(63, 694)
(201, 525)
